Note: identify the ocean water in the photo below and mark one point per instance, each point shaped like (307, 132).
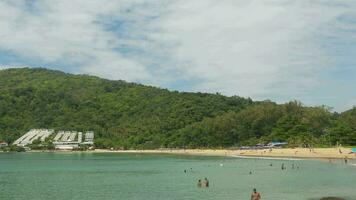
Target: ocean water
(89, 176)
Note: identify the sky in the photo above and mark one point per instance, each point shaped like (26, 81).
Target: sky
(279, 50)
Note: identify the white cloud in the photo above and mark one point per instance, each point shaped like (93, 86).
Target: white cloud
(262, 49)
(68, 32)
(251, 48)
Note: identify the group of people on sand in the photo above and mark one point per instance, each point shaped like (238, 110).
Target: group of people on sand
(203, 183)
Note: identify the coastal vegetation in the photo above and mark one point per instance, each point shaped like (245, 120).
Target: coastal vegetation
(129, 115)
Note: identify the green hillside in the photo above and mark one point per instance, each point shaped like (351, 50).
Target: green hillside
(121, 113)
(267, 121)
(128, 115)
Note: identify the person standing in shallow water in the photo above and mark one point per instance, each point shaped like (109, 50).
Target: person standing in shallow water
(255, 195)
(199, 183)
(206, 182)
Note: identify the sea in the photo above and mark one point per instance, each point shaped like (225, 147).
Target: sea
(109, 176)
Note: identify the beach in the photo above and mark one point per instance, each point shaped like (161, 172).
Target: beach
(317, 153)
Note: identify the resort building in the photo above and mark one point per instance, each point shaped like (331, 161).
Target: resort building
(89, 138)
(3, 144)
(63, 140)
(32, 135)
(67, 140)
(80, 137)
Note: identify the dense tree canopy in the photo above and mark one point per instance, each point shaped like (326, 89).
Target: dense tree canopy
(128, 115)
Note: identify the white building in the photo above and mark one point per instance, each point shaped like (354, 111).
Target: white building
(3, 144)
(64, 140)
(32, 135)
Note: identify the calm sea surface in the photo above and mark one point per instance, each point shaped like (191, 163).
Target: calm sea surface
(89, 176)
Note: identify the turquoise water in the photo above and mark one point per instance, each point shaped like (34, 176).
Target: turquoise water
(92, 176)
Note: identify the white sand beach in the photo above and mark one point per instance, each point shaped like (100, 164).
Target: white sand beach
(317, 153)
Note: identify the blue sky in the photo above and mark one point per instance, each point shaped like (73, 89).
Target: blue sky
(274, 49)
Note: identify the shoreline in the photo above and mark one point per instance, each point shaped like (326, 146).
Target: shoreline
(296, 153)
(292, 153)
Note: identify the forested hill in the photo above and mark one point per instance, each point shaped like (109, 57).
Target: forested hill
(128, 115)
(119, 112)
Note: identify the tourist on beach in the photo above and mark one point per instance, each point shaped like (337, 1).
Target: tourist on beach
(199, 183)
(206, 182)
(255, 195)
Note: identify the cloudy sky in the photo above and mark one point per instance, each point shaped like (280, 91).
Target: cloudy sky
(271, 49)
